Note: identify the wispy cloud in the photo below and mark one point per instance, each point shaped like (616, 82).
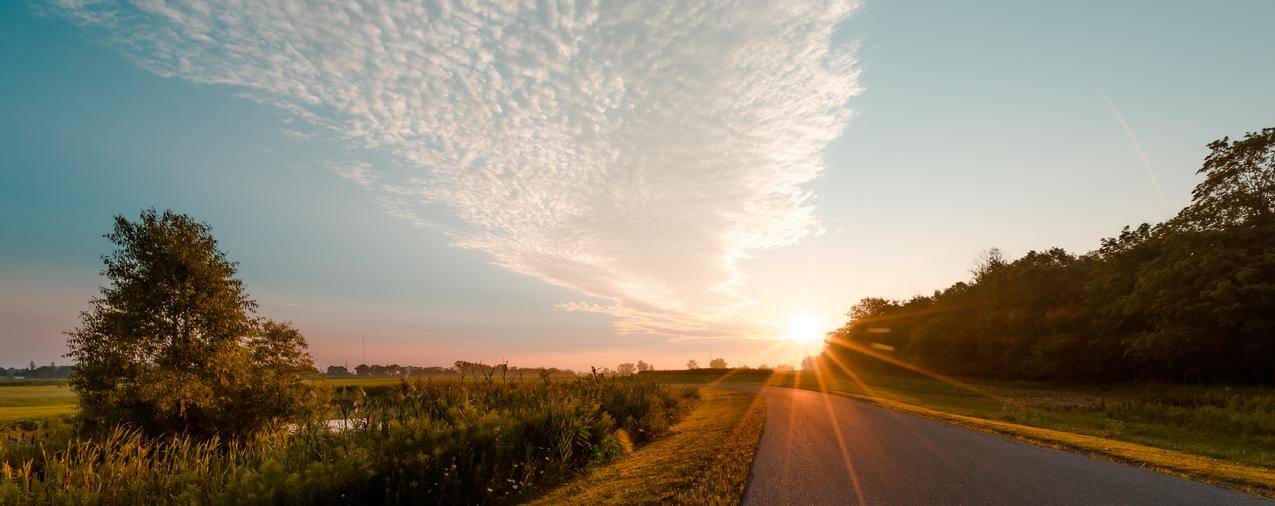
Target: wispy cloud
(636, 152)
(1137, 148)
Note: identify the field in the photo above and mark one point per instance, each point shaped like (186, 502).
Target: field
(34, 399)
(1219, 433)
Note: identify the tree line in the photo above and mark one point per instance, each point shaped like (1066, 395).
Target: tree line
(471, 368)
(1188, 299)
(807, 364)
(32, 371)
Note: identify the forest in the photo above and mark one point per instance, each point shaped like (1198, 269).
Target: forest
(1191, 299)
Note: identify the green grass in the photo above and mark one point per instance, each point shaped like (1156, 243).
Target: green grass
(705, 460)
(1211, 433)
(34, 400)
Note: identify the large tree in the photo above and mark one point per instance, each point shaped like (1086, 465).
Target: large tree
(1239, 183)
(173, 343)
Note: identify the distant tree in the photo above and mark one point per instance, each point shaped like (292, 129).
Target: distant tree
(717, 363)
(783, 368)
(988, 261)
(50, 371)
(869, 309)
(338, 370)
(643, 366)
(692, 364)
(763, 365)
(626, 369)
(172, 343)
(808, 363)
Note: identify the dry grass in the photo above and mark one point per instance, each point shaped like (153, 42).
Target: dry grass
(705, 460)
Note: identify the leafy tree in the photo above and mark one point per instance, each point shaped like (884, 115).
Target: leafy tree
(626, 369)
(643, 366)
(692, 364)
(717, 363)
(1239, 182)
(172, 344)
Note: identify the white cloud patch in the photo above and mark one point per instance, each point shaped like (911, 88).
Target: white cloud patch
(634, 151)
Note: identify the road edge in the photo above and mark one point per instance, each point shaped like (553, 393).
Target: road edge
(1247, 479)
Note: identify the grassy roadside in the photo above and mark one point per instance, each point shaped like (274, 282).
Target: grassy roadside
(1219, 435)
(705, 460)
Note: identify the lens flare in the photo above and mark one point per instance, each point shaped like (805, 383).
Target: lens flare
(804, 330)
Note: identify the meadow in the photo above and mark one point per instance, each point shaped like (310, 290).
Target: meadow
(1209, 432)
(34, 400)
(453, 441)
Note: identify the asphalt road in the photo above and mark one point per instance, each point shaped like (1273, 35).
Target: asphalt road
(895, 458)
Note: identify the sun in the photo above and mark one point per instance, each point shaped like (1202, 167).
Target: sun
(804, 330)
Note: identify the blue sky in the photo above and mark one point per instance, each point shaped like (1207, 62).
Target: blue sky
(682, 183)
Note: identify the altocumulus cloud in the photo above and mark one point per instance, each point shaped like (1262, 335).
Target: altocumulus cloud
(636, 152)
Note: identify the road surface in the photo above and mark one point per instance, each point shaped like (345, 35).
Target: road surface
(903, 459)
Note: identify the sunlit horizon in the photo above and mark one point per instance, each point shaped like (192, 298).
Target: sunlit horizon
(599, 185)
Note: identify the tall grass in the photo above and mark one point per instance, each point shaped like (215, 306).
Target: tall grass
(476, 441)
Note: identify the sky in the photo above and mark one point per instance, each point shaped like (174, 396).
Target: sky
(575, 185)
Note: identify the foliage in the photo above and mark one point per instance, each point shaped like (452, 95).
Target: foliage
(1189, 299)
(172, 345)
(451, 442)
(1239, 183)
